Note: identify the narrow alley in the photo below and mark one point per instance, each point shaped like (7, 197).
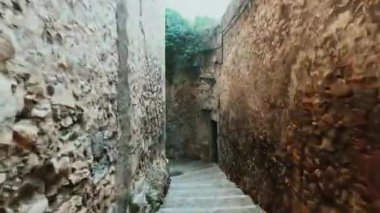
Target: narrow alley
(274, 104)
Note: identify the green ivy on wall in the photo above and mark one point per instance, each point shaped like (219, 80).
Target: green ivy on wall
(183, 42)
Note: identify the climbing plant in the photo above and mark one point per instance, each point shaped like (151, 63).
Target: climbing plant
(183, 42)
(202, 23)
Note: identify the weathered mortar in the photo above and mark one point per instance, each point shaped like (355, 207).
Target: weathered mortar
(299, 104)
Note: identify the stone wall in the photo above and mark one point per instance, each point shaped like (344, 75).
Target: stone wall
(190, 110)
(58, 120)
(62, 99)
(299, 105)
(188, 116)
(191, 105)
(141, 102)
(182, 107)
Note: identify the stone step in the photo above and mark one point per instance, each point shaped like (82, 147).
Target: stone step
(242, 209)
(216, 184)
(208, 180)
(191, 166)
(210, 170)
(209, 202)
(202, 178)
(205, 192)
(197, 169)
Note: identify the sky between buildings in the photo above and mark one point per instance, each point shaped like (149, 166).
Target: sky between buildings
(193, 8)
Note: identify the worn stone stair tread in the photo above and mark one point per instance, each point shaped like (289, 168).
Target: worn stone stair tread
(210, 189)
(198, 170)
(240, 209)
(215, 184)
(215, 179)
(208, 177)
(214, 192)
(195, 173)
(209, 202)
(190, 166)
(216, 174)
(198, 175)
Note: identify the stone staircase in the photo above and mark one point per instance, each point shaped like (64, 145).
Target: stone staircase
(204, 188)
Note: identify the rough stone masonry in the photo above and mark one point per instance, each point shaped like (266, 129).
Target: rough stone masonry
(299, 104)
(60, 90)
(141, 89)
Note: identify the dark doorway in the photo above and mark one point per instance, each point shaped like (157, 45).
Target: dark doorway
(214, 142)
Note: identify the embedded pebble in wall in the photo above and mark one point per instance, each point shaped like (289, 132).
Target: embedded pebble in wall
(81, 172)
(3, 178)
(97, 145)
(25, 134)
(37, 204)
(71, 205)
(42, 109)
(7, 51)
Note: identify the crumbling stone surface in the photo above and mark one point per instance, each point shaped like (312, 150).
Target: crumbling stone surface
(189, 115)
(299, 104)
(141, 100)
(58, 73)
(182, 110)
